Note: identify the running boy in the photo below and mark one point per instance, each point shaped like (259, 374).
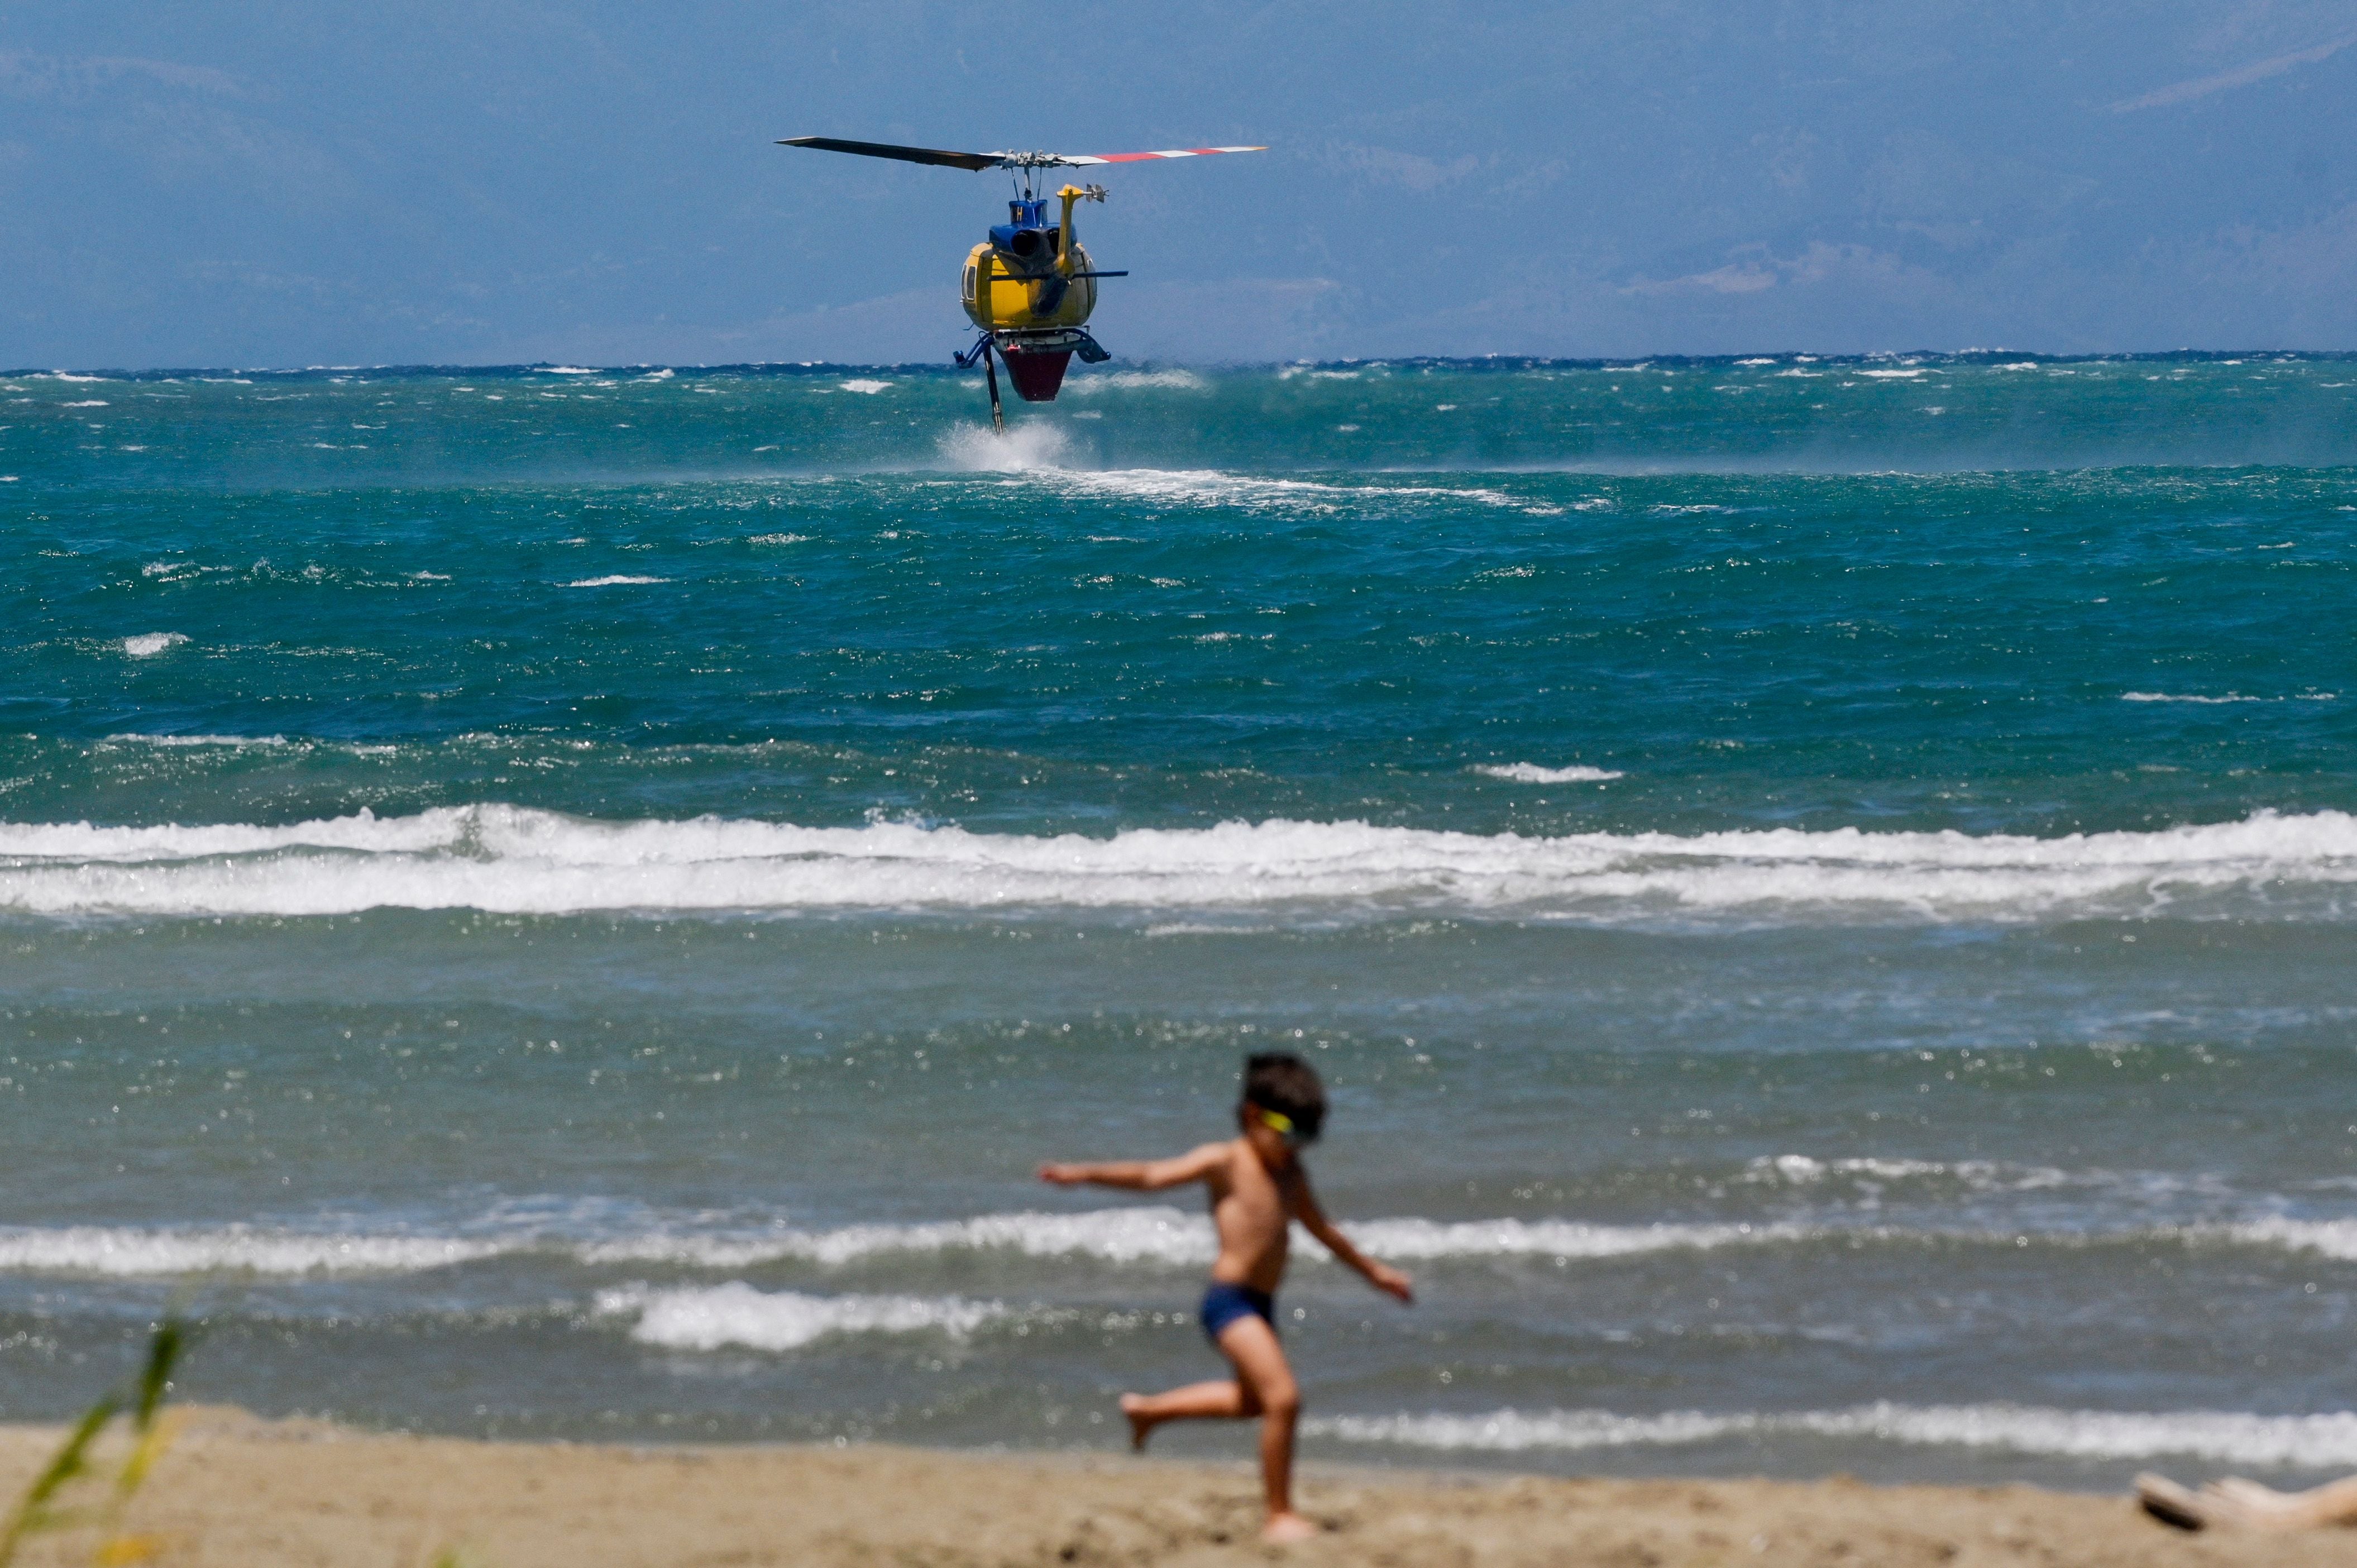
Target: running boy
(1257, 1185)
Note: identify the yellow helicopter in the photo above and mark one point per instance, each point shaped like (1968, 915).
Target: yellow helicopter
(1029, 287)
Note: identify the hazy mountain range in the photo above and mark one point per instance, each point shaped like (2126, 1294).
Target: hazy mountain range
(278, 183)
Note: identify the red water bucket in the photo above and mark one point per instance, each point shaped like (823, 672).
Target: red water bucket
(1037, 374)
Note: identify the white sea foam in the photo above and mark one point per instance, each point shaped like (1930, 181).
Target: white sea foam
(1161, 1235)
(1979, 1175)
(1802, 1169)
(1169, 381)
(146, 645)
(1149, 1235)
(1153, 1236)
(1040, 449)
(86, 402)
(1890, 375)
(2335, 1238)
(1532, 773)
(864, 385)
(514, 860)
(196, 740)
(737, 1313)
(2326, 1441)
(1210, 488)
(2229, 697)
(1428, 1239)
(612, 581)
(566, 371)
(133, 1253)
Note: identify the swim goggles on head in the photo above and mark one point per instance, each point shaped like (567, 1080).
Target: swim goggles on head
(1278, 1123)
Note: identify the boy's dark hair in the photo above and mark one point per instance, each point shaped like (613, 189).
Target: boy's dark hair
(1282, 1082)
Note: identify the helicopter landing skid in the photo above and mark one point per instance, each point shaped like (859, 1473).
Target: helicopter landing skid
(980, 351)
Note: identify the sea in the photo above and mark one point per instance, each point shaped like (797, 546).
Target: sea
(568, 903)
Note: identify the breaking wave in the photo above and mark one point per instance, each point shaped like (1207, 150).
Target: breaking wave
(2335, 1238)
(738, 1314)
(1154, 1235)
(1168, 1235)
(2303, 1441)
(175, 742)
(511, 859)
(1157, 1236)
(1532, 773)
(133, 1253)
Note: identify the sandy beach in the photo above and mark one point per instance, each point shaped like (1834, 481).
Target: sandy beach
(236, 1489)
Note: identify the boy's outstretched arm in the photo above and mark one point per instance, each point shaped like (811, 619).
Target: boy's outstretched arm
(1382, 1276)
(1140, 1176)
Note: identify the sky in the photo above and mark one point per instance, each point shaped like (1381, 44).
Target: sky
(298, 182)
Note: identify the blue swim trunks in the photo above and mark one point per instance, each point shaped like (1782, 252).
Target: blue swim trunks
(1223, 1303)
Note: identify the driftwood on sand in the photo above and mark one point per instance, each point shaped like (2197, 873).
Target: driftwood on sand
(2233, 1503)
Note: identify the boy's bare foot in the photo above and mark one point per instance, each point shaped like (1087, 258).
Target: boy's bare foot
(1284, 1526)
(1132, 1406)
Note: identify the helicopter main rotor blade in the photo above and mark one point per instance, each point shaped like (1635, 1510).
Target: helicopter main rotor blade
(1077, 159)
(977, 161)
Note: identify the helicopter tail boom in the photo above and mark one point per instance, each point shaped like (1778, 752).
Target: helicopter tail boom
(1064, 249)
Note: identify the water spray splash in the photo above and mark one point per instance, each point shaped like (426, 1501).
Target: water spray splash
(1021, 448)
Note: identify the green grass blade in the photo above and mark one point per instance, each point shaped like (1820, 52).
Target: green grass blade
(71, 1460)
(156, 1378)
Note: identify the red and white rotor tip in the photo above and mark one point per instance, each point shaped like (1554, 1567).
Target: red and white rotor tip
(1079, 158)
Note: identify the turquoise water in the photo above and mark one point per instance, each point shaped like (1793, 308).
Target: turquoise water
(568, 902)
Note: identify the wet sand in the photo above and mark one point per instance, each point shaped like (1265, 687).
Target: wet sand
(233, 1490)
